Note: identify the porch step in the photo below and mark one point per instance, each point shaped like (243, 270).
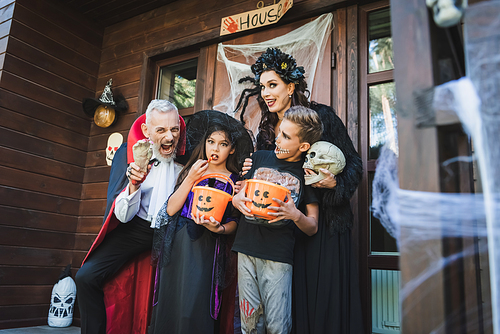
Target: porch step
(41, 330)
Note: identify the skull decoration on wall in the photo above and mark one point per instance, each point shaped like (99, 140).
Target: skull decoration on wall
(447, 13)
(62, 303)
(325, 155)
(114, 142)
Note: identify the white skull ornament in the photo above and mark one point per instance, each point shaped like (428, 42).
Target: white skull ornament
(447, 12)
(325, 155)
(62, 303)
(114, 142)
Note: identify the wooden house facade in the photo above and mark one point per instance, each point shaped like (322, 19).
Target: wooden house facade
(54, 176)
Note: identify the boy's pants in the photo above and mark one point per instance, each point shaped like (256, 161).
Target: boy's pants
(265, 293)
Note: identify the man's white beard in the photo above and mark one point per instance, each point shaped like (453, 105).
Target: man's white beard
(160, 157)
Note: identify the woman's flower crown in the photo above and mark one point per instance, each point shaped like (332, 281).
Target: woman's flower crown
(282, 63)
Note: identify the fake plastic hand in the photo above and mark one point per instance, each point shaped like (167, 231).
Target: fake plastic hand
(135, 176)
(328, 182)
(210, 224)
(240, 199)
(285, 210)
(142, 152)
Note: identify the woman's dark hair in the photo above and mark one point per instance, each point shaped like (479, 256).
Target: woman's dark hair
(268, 121)
(273, 60)
(200, 153)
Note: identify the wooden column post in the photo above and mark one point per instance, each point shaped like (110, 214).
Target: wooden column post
(449, 300)
(418, 155)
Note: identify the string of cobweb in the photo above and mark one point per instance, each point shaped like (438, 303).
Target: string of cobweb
(419, 221)
(306, 44)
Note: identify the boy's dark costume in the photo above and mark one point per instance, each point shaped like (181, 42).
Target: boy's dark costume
(274, 242)
(266, 249)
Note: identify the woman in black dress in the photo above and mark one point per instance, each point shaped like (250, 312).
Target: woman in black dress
(326, 287)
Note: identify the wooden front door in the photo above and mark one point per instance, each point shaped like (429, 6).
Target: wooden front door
(337, 83)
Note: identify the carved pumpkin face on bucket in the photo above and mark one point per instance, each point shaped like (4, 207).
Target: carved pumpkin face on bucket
(204, 203)
(211, 202)
(262, 193)
(261, 201)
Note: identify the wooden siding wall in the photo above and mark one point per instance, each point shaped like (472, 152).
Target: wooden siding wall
(49, 60)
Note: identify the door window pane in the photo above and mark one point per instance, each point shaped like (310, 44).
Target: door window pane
(381, 242)
(382, 103)
(380, 55)
(178, 83)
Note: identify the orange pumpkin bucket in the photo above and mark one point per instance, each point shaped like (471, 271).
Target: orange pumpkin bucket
(211, 202)
(262, 193)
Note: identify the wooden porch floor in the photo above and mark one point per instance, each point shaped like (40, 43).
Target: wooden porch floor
(41, 330)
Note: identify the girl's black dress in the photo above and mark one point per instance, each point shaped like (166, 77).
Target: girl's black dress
(191, 272)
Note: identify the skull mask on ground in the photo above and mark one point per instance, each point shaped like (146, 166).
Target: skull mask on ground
(62, 303)
(325, 155)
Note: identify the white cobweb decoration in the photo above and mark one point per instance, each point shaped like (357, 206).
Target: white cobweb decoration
(305, 44)
(421, 221)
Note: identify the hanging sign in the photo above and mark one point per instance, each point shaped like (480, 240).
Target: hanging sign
(260, 17)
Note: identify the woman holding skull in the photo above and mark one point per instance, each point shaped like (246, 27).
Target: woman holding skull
(326, 292)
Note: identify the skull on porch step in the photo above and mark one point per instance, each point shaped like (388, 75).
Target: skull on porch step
(62, 303)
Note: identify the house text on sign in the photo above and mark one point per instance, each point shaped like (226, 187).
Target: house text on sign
(262, 16)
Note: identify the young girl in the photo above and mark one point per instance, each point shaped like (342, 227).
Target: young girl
(191, 264)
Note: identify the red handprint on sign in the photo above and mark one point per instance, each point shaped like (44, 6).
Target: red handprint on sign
(231, 25)
(245, 308)
(285, 7)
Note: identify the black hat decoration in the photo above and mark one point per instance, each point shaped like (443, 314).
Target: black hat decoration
(106, 109)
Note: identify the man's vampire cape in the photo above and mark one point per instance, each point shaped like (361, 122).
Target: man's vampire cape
(128, 294)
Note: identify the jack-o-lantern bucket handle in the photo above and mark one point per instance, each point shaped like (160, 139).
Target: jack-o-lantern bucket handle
(216, 176)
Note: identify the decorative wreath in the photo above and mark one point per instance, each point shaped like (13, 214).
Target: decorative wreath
(282, 63)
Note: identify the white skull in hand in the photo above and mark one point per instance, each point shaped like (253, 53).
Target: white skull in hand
(325, 155)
